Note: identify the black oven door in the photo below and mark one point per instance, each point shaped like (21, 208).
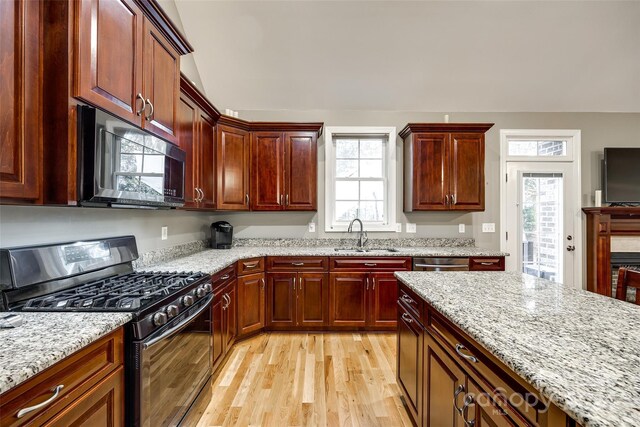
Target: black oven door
(172, 366)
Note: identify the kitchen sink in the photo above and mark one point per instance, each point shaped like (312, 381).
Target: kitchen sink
(366, 249)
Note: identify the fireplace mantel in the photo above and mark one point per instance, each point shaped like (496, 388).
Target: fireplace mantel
(602, 224)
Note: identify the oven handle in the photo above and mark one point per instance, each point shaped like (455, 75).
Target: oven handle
(178, 327)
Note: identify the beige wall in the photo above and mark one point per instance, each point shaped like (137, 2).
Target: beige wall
(598, 131)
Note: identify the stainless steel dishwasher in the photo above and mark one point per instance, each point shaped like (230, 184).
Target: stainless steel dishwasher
(441, 264)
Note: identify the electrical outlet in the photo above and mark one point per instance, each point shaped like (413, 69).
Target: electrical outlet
(312, 227)
(461, 228)
(398, 227)
(488, 227)
(411, 228)
(165, 232)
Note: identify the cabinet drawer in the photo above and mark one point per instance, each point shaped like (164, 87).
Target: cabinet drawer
(486, 264)
(465, 352)
(223, 277)
(76, 374)
(303, 263)
(370, 264)
(251, 265)
(410, 301)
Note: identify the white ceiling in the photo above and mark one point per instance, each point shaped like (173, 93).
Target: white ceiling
(438, 56)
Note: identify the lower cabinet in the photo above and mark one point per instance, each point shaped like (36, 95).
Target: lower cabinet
(297, 300)
(363, 300)
(224, 318)
(409, 361)
(251, 303)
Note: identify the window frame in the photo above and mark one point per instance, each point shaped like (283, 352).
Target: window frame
(389, 177)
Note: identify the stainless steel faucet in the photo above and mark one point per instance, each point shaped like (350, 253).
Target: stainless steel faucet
(362, 238)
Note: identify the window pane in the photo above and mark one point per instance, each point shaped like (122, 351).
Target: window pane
(131, 163)
(153, 164)
(346, 211)
(371, 190)
(371, 149)
(346, 168)
(371, 168)
(371, 211)
(347, 148)
(347, 190)
(151, 185)
(537, 148)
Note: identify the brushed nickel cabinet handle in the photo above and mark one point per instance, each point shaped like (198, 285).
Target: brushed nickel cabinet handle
(297, 264)
(408, 299)
(370, 264)
(56, 391)
(144, 104)
(225, 277)
(407, 318)
(487, 263)
(453, 199)
(262, 285)
(446, 199)
(254, 265)
(468, 401)
(281, 201)
(460, 348)
(148, 116)
(246, 198)
(458, 390)
(367, 282)
(287, 200)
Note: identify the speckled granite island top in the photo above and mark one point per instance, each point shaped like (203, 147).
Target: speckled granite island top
(577, 348)
(44, 339)
(214, 260)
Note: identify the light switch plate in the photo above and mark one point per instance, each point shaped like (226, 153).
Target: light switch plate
(312, 227)
(411, 227)
(488, 227)
(398, 227)
(165, 232)
(461, 228)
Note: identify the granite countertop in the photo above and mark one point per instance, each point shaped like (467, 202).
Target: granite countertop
(214, 260)
(44, 339)
(579, 349)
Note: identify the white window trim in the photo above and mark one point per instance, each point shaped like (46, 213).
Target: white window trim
(330, 176)
(573, 154)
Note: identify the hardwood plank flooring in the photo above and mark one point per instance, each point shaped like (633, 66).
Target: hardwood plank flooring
(308, 379)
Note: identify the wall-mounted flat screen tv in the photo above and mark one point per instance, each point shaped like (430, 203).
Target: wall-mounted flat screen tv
(622, 175)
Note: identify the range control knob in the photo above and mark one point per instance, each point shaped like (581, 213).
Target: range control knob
(172, 310)
(187, 300)
(200, 292)
(160, 318)
(207, 287)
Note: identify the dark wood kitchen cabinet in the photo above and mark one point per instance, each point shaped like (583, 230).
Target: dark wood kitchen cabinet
(284, 171)
(409, 361)
(233, 145)
(363, 291)
(224, 311)
(126, 65)
(444, 166)
(251, 296)
(92, 392)
(196, 136)
(21, 94)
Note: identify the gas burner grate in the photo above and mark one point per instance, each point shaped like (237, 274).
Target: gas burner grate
(125, 292)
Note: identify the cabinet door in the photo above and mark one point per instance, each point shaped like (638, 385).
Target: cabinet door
(109, 58)
(409, 362)
(161, 84)
(281, 299)
(20, 91)
(301, 192)
(384, 297)
(444, 387)
(467, 171)
(230, 316)
(312, 299)
(217, 318)
(348, 299)
(101, 406)
(483, 412)
(430, 171)
(206, 136)
(251, 295)
(232, 166)
(187, 141)
(267, 173)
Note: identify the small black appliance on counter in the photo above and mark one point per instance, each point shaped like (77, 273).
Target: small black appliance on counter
(221, 235)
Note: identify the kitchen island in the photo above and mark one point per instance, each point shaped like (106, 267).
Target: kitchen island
(551, 347)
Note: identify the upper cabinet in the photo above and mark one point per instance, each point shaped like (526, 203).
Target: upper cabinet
(21, 94)
(284, 170)
(233, 144)
(444, 166)
(128, 66)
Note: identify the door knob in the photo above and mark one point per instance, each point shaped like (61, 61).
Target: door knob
(571, 248)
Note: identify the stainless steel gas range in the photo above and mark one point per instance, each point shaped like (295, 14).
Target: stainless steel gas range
(169, 340)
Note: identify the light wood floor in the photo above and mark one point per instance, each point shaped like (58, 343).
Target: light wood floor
(332, 379)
